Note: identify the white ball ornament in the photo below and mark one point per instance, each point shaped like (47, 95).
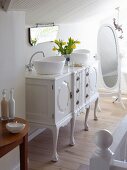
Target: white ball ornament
(103, 139)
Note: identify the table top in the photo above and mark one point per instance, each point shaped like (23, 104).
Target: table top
(7, 137)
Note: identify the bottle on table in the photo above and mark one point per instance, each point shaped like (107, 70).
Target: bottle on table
(4, 106)
(11, 104)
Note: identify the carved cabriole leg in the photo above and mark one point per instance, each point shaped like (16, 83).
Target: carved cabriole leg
(95, 109)
(86, 118)
(98, 107)
(55, 132)
(72, 140)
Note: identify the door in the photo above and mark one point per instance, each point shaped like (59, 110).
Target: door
(39, 101)
(63, 103)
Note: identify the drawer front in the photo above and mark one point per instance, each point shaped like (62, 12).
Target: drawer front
(87, 85)
(78, 80)
(90, 83)
(87, 76)
(77, 91)
(87, 94)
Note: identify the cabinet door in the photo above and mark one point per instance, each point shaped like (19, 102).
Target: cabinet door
(39, 101)
(63, 102)
(92, 80)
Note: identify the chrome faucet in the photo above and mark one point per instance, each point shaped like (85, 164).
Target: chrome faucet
(30, 65)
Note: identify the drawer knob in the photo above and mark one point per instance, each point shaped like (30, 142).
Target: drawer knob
(77, 102)
(87, 74)
(71, 95)
(78, 78)
(87, 85)
(87, 96)
(77, 91)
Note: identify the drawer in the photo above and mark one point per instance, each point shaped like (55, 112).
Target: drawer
(78, 77)
(78, 91)
(87, 72)
(77, 98)
(87, 80)
(87, 84)
(87, 94)
(77, 80)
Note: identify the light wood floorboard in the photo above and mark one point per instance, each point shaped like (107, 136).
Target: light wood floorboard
(76, 157)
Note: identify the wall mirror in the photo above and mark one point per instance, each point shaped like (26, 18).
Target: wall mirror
(108, 53)
(44, 33)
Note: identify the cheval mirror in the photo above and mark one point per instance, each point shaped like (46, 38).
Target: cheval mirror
(108, 53)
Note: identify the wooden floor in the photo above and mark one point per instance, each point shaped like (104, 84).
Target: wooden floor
(76, 157)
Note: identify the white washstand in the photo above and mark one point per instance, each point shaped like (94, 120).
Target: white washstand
(52, 101)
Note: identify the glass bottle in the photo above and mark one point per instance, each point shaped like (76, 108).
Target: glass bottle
(4, 106)
(11, 104)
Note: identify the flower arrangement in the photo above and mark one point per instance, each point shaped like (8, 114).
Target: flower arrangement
(65, 48)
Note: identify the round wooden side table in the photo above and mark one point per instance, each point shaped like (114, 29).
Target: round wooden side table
(9, 141)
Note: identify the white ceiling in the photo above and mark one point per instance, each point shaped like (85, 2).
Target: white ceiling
(59, 11)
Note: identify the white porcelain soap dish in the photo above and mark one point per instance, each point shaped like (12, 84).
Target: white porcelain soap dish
(15, 127)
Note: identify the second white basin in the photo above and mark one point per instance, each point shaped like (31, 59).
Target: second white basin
(50, 65)
(80, 57)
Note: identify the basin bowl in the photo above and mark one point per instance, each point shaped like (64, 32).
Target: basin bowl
(80, 57)
(15, 127)
(50, 65)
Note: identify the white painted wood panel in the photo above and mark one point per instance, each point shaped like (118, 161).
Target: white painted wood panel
(60, 11)
(39, 101)
(63, 104)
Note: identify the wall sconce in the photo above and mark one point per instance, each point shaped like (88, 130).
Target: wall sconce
(116, 23)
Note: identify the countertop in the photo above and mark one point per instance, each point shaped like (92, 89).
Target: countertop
(66, 71)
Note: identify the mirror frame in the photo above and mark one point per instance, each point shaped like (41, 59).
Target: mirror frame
(41, 26)
(117, 53)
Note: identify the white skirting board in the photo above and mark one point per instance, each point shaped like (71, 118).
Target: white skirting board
(102, 90)
(35, 133)
(17, 167)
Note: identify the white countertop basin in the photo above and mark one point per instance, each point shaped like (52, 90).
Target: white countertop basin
(80, 57)
(50, 65)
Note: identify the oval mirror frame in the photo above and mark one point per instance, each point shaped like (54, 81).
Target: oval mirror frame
(108, 52)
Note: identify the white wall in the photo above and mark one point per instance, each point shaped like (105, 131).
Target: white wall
(65, 31)
(12, 61)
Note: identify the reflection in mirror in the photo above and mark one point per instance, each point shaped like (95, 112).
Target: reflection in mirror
(42, 34)
(108, 52)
